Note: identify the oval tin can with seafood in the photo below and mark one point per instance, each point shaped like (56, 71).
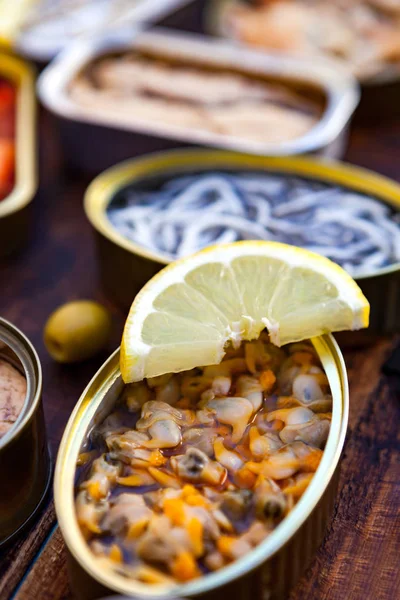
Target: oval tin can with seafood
(15, 206)
(126, 265)
(25, 466)
(267, 571)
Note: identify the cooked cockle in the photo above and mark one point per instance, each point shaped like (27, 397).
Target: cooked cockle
(162, 422)
(250, 388)
(194, 470)
(233, 411)
(201, 438)
(196, 466)
(301, 424)
(127, 513)
(135, 395)
(103, 476)
(262, 445)
(270, 501)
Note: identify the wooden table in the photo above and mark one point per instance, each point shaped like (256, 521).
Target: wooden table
(359, 558)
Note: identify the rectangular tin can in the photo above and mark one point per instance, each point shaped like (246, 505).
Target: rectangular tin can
(267, 572)
(125, 266)
(84, 129)
(25, 466)
(15, 208)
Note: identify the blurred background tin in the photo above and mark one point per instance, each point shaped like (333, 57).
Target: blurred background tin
(45, 27)
(268, 571)
(25, 466)
(15, 208)
(125, 266)
(83, 129)
(380, 94)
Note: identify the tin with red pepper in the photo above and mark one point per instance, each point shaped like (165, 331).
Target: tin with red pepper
(18, 177)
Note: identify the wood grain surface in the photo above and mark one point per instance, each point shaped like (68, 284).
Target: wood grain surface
(359, 558)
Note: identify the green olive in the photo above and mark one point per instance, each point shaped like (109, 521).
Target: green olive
(77, 331)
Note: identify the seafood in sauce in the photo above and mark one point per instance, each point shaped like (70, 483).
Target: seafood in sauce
(12, 396)
(144, 89)
(192, 470)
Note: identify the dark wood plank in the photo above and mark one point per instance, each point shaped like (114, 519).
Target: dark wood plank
(48, 577)
(15, 562)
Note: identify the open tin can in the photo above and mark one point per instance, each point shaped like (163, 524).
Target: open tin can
(25, 466)
(119, 137)
(268, 571)
(15, 208)
(125, 266)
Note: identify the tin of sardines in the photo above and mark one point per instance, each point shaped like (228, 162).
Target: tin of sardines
(25, 467)
(150, 211)
(173, 88)
(18, 176)
(204, 454)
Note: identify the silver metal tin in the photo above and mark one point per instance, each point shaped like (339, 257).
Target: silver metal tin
(25, 466)
(84, 129)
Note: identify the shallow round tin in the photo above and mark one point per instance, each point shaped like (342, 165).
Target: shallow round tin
(126, 266)
(269, 570)
(25, 466)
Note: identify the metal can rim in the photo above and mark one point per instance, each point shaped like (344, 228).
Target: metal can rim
(340, 87)
(99, 193)
(86, 409)
(22, 74)
(27, 413)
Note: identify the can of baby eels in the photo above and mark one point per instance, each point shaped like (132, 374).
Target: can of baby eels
(25, 466)
(269, 570)
(126, 265)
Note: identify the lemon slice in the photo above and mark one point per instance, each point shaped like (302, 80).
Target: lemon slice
(184, 316)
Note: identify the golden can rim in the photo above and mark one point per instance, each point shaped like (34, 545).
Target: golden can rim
(102, 189)
(19, 340)
(86, 409)
(22, 75)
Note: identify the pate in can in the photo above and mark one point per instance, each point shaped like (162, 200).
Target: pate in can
(25, 466)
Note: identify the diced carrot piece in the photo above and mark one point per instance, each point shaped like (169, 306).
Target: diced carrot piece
(116, 554)
(267, 380)
(94, 491)
(195, 531)
(174, 509)
(188, 490)
(245, 478)
(184, 567)
(157, 459)
(224, 545)
(197, 500)
(311, 462)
